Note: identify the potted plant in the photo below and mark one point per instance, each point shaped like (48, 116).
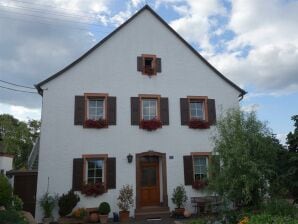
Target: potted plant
(104, 210)
(125, 201)
(151, 125)
(67, 202)
(93, 189)
(179, 198)
(48, 203)
(80, 213)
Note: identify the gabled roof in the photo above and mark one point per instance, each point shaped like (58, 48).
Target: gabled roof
(146, 7)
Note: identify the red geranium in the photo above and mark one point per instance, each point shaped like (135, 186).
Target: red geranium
(150, 125)
(101, 123)
(198, 124)
(93, 189)
(199, 184)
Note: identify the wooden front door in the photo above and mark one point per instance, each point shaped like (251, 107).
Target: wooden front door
(149, 174)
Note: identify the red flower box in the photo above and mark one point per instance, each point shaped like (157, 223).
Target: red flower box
(93, 189)
(101, 123)
(199, 184)
(148, 70)
(150, 125)
(198, 124)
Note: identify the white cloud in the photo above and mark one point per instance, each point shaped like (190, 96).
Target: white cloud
(270, 31)
(250, 108)
(19, 112)
(195, 20)
(282, 137)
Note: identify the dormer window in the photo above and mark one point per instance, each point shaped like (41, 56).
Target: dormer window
(149, 64)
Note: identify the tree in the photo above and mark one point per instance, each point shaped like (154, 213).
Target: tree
(247, 152)
(18, 137)
(291, 173)
(292, 138)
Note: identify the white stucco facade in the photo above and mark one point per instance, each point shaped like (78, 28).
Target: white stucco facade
(112, 69)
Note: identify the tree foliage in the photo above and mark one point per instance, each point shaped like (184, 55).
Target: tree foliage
(247, 151)
(17, 137)
(292, 137)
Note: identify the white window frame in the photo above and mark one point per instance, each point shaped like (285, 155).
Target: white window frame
(94, 177)
(103, 108)
(197, 110)
(194, 170)
(156, 108)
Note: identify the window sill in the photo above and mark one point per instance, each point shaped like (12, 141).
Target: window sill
(97, 124)
(198, 124)
(150, 125)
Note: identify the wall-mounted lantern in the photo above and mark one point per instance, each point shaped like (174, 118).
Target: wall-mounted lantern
(129, 158)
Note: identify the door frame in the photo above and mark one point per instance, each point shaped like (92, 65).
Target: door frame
(162, 159)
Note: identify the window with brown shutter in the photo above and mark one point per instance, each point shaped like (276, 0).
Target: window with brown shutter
(95, 110)
(148, 64)
(197, 112)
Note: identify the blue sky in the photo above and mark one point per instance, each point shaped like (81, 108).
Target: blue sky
(253, 43)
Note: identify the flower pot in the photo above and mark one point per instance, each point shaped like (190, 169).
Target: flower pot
(93, 217)
(47, 220)
(179, 211)
(103, 218)
(124, 216)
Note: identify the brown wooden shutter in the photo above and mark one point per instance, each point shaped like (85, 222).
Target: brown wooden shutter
(135, 110)
(164, 110)
(184, 111)
(77, 174)
(111, 173)
(79, 110)
(112, 110)
(140, 64)
(211, 111)
(158, 64)
(188, 170)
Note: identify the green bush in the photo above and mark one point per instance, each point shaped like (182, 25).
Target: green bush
(280, 207)
(104, 208)
(48, 203)
(16, 203)
(6, 191)
(197, 221)
(270, 219)
(179, 196)
(67, 202)
(12, 217)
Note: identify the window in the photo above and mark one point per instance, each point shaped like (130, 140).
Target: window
(96, 106)
(96, 109)
(197, 110)
(198, 107)
(95, 171)
(149, 109)
(200, 164)
(149, 64)
(95, 168)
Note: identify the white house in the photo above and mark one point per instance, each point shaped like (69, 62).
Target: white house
(142, 75)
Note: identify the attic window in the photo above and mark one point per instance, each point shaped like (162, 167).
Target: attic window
(149, 64)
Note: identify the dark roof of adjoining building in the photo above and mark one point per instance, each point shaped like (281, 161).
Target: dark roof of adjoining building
(146, 7)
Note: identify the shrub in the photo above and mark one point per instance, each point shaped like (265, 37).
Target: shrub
(12, 216)
(179, 196)
(16, 203)
(125, 198)
(6, 191)
(48, 203)
(280, 207)
(67, 202)
(197, 221)
(104, 208)
(270, 219)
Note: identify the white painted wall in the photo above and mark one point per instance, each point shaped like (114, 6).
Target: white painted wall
(6, 163)
(112, 69)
